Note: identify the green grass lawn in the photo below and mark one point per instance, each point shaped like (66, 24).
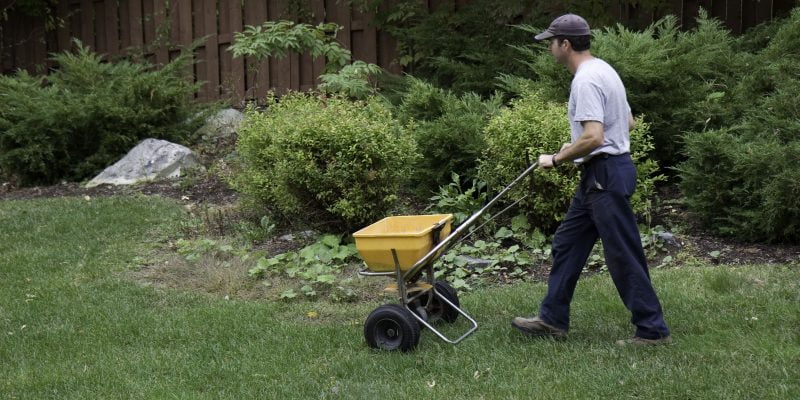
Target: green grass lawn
(73, 324)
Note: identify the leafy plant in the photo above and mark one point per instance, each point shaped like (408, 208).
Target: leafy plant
(278, 38)
(314, 157)
(316, 266)
(506, 256)
(448, 130)
(352, 80)
(452, 199)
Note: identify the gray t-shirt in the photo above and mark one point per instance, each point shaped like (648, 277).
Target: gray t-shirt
(597, 94)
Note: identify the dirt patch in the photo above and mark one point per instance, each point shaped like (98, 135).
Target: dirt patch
(207, 189)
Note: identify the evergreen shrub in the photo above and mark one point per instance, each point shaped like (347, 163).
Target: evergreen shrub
(743, 180)
(533, 126)
(318, 158)
(88, 113)
(448, 130)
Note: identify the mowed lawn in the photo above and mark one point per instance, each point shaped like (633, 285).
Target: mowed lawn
(74, 324)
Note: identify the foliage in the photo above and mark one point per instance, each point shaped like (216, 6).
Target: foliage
(87, 113)
(448, 130)
(674, 78)
(534, 126)
(453, 199)
(277, 38)
(352, 80)
(742, 179)
(313, 157)
(316, 265)
(465, 46)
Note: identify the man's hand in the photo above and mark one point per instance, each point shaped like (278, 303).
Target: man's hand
(546, 161)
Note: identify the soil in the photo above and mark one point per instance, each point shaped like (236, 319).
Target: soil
(670, 212)
(206, 190)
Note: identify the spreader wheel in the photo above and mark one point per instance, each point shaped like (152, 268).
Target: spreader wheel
(391, 327)
(440, 309)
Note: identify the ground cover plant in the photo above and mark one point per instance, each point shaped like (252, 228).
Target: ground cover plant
(88, 113)
(74, 324)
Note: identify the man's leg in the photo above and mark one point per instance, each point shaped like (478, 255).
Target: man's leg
(572, 244)
(627, 264)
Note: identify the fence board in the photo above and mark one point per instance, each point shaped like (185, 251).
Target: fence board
(160, 18)
(234, 76)
(781, 8)
(63, 31)
(733, 15)
(718, 9)
(318, 64)
(112, 26)
(100, 38)
(258, 73)
(148, 22)
(156, 27)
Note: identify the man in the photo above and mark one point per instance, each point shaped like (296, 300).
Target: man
(600, 121)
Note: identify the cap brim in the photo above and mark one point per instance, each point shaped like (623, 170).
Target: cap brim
(544, 35)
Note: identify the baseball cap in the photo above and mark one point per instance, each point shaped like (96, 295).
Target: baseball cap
(566, 25)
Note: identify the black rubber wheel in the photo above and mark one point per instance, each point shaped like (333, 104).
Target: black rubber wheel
(391, 327)
(440, 309)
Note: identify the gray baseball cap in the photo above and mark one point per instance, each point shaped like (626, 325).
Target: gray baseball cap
(566, 25)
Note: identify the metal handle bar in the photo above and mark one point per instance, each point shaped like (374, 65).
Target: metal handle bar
(445, 243)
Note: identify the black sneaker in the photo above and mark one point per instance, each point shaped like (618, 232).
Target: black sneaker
(536, 327)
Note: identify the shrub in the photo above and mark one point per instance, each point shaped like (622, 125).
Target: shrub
(742, 180)
(314, 157)
(448, 130)
(88, 113)
(534, 126)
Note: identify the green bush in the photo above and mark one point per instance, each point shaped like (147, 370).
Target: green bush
(448, 130)
(534, 126)
(743, 180)
(88, 113)
(316, 158)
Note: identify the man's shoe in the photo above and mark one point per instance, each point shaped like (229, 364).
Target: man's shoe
(536, 327)
(640, 341)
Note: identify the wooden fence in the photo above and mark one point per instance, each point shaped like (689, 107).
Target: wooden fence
(159, 27)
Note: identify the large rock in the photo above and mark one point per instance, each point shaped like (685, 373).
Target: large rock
(223, 124)
(152, 159)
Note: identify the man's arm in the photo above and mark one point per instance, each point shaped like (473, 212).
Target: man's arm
(591, 138)
(631, 122)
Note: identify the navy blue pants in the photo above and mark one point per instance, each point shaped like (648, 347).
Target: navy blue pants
(601, 208)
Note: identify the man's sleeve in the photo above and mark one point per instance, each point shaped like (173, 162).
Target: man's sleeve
(588, 103)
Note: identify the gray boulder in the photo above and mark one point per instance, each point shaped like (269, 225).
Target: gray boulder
(150, 160)
(223, 124)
